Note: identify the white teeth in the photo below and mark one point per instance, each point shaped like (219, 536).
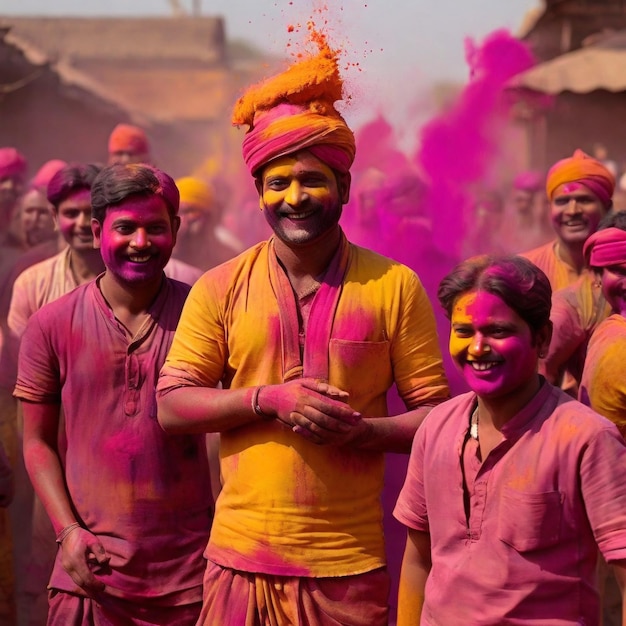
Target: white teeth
(482, 366)
(299, 216)
(140, 259)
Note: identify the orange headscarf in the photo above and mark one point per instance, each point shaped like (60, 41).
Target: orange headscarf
(128, 138)
(583, 169)
(295, 111)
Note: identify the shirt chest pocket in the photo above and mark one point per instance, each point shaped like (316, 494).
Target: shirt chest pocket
(530, 521)
(363, 368)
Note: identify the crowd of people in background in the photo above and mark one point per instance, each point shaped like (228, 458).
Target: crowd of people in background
(194, 418)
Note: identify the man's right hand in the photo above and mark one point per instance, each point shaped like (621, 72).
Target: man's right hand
(322, 404)
(83, 556)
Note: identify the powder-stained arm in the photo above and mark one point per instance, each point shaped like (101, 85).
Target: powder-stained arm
(81, 549)
(416, 566)
(619, 567)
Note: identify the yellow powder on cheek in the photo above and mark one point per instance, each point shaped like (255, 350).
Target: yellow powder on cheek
(461, 314)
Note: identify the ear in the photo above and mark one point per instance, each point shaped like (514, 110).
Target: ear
(175, 226)
(343, 185)
(96, 229)
(543, 337)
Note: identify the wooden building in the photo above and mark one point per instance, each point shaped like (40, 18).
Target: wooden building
(66, 82)
(576, 96)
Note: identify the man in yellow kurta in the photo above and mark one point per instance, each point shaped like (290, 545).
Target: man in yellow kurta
(306, 333)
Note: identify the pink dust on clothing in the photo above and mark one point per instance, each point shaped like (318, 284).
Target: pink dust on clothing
(240, 597)
(334, 529)
(538, 504)
(458, 148)
(145, 494)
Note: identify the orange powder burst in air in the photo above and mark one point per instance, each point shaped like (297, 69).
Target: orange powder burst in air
(315, 78)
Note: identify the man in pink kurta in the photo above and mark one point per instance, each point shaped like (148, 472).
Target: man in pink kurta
(512, 487)
(131, 488)
(524, 545)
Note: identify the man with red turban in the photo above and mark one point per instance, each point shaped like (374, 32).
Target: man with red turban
(288, 352)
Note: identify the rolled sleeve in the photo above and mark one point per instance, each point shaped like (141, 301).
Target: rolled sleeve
(198, 353)
(415, 354)
(38, 375)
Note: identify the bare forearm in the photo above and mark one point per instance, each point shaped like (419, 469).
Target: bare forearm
(392, 434)
(205, 409)
(416, 566)
(619, 567)
(46, 474)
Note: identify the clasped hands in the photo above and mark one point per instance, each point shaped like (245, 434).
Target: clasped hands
(314, 410)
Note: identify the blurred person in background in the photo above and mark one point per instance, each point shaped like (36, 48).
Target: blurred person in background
(13, 170)
(580, 190)
(198, 243)
(128, 144)
(484, 223)
(526, 223)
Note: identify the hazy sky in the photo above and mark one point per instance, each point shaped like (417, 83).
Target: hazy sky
(400, 45)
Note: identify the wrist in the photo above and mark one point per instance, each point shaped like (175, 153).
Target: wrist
(256, 404)
(65, 532)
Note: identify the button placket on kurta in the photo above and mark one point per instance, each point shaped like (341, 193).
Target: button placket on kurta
(482, 474)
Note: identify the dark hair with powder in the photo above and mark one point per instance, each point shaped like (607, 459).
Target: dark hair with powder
(69, 180)
(520, 284)
(117, 182)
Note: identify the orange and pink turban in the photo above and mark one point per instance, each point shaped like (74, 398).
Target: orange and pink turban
(295, 111)
(587, 171)
(128, 138)
(12, 163)
(606, 247)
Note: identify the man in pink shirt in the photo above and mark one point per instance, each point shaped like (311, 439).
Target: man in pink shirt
(512, 487)
(130, 505)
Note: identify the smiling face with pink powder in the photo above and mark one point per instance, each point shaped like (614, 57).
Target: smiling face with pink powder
(134, 221)
(576, 212)
(492, 345)
(136, 238)
(499, 312)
